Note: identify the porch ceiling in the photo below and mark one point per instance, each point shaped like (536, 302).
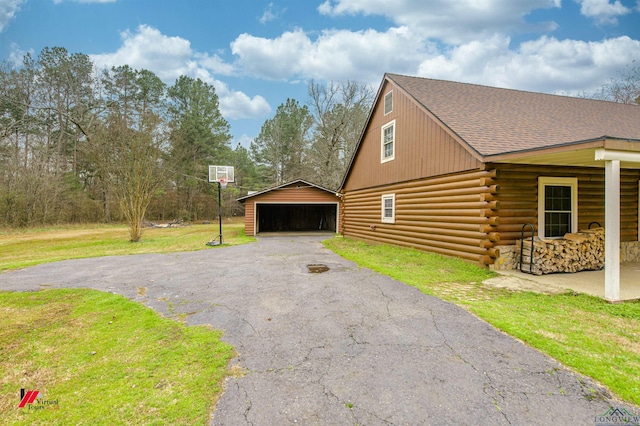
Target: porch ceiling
(580, 155)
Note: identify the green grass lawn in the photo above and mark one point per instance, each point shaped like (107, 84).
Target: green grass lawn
(102, 359)
(593, 337)
(28, 247)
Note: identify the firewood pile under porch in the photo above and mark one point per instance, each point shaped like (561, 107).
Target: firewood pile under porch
(580, 251)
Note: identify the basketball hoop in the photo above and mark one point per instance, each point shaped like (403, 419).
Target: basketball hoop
(223, 175)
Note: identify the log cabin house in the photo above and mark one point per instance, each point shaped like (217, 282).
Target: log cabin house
(459, 169)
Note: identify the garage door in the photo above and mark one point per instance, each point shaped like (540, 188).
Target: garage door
(296, 217)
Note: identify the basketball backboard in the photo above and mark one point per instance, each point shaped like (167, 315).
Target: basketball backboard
(216, 173)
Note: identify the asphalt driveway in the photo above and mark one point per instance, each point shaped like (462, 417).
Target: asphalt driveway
(344, 347)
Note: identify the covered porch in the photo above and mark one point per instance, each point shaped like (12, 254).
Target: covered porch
(618, 281)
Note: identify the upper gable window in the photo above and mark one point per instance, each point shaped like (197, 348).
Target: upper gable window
(388, 103)
(557, 206)
(388, 142)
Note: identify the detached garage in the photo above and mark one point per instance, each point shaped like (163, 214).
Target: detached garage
(296, 206)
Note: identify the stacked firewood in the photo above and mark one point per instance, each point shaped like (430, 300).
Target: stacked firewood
(578, 251)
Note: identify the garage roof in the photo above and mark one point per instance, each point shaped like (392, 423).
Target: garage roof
(301, 183)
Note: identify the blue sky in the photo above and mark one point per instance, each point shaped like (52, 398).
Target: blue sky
(259, 53)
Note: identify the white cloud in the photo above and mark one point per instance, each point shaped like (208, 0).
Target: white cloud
(171, 57)
(269, 14)
(168, 57)
(214, 63)
(236, 105)
(545, 64)
(453, 22)
(8, 9)
(271, 58)
(334, 55)
(603, 11)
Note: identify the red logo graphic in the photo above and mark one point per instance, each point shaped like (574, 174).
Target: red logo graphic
(27, 397)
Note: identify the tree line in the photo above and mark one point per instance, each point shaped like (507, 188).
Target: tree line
(79, 144)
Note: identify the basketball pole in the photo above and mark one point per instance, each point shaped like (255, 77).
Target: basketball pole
(220, 209)
(219, 237)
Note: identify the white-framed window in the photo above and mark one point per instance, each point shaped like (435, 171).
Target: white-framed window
(389, 208)
(388, 142)
(557, 206)
(388, 103)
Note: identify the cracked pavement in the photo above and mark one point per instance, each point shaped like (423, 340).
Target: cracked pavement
(344, 347)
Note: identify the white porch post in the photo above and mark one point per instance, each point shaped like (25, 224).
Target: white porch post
(612, 230)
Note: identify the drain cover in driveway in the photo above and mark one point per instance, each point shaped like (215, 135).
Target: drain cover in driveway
(316, 268)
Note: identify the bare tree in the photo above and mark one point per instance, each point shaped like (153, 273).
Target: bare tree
(624, 89)
(132, 141)
(340, 111)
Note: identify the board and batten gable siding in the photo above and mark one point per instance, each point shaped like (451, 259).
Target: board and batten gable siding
(518, 198)
(422, 147)
(291, 194)
(451, 215)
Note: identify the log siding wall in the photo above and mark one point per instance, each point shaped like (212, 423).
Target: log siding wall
(518, 198)
(446, 199)
(452, 215)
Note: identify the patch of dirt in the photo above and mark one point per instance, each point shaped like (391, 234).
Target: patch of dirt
(237, 371)
(177, 223)
(515, 283)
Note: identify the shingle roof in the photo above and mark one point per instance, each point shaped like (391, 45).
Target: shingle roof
(273, 188)
(496, 121)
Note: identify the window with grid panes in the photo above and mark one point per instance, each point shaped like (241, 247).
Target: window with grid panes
(388, 141)
(557, 210)
(557, 204)
(388, 208)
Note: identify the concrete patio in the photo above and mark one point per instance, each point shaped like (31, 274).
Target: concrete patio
(589, 282)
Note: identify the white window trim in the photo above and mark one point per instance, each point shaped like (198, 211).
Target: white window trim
(384, 103)
(391, 219)
(559, 181)
(384, 159)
